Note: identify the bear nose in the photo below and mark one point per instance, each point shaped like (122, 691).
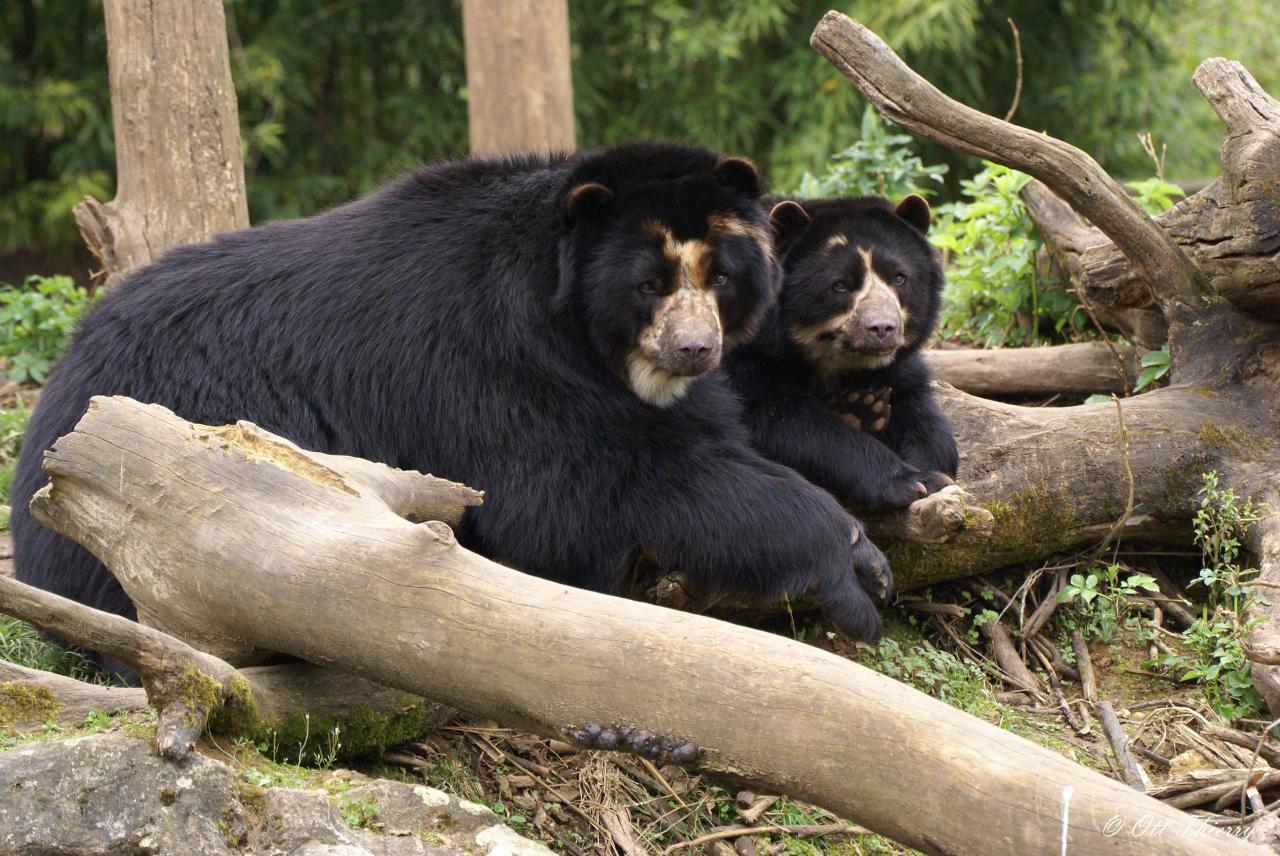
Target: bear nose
(882, 329)
(694, 349)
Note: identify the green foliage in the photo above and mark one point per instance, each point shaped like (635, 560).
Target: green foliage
(1155, 365)
(1103, 599)
(1154, 194)
(1214, 643)
(36, 321)
(941, 674)
(13, 425)
(880, 163)
(993, 296)
(359, 813)
(22, 644)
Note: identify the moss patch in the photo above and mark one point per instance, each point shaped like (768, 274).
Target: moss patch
(1232, 440)
(1034, 522)
(21, 702)
(361, 732)
(238, 713)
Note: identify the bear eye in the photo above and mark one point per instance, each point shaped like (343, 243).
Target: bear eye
(840, 285)
(899, 280)
(720, 279)
(649, 286)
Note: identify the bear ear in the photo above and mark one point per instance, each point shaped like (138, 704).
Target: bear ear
(586, 200)
(915, 210)
(787, 218)
(739, 174)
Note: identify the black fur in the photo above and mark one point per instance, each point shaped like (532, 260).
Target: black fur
(468, 321)
(791, 405)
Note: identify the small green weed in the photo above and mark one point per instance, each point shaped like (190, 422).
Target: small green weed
(1214, 642)
(36, 321)
(1104, 599)
(941, 674)
(359, 813)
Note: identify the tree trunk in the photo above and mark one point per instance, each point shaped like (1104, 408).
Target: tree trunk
(241, 539)
(519, 82)
(179, 173)
(1054, 479)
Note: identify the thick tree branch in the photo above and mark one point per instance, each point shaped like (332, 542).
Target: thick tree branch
(909, 100)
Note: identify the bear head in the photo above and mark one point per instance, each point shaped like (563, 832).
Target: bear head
(666, 261)
(862, 285)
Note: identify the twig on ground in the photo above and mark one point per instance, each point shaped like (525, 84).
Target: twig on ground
(1084, 664)
(1115, 736)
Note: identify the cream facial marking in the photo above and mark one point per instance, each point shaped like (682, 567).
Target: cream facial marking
(685, 338)
(652, 384)
(828, 343)
(837, 241)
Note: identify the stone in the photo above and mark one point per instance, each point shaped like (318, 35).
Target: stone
(112, 794)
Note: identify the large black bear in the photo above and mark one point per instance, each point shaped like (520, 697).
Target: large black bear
(840, 352)
(542, 328)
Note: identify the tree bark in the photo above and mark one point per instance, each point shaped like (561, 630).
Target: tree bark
(1126, 306)
(179, 173)
(519, 81)
(236, 535)
(1080, 369)
(1230, 229)
(187, 687)
(1222, 411)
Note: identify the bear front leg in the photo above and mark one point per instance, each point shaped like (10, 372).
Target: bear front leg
(922, 436)
(863, 472)
(743, 524)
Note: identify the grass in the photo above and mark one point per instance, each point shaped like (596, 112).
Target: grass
(22, 644)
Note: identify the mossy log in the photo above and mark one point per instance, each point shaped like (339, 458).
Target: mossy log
(1054, 479)
(243, 540)
(289, 705)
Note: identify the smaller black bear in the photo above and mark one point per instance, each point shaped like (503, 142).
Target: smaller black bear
(840, 352)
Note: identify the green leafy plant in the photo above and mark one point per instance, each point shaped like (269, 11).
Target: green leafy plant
(359, 813)
(941, 674)
(1155, 194)
(1155, 365)
(1214, 643)
(36, 321)
(880, 163)
(993, 295)
(1104, 597)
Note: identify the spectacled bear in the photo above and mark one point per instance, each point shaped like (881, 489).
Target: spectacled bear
(545, 329)
(834, 384)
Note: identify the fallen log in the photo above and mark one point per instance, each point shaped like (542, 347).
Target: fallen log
(188, 689)
(244, 540)
(1078, 369)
